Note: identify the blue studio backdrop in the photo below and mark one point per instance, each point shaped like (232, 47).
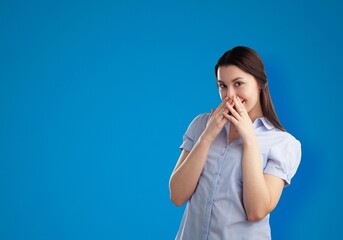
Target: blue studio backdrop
(96, 95)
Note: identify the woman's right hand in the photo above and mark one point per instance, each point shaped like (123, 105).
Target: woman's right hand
(216, 122)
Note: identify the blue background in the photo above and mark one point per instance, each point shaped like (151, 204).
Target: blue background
(96, 95)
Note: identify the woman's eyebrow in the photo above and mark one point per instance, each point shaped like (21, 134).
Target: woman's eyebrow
(233, 80)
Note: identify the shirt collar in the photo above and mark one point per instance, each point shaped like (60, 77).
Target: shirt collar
(266, 123)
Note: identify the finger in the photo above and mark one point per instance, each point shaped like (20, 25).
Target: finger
(239, 106)
(223, 122)
(233, 111)
(230, 118)
(222, 104)
(218, 120)
(220, 107)
(216, 112)
(231, 103)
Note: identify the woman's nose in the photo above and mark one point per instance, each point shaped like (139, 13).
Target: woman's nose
(230, 92)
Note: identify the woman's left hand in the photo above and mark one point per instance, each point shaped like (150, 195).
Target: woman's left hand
(240, 119)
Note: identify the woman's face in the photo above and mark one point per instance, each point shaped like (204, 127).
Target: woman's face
(232, 81)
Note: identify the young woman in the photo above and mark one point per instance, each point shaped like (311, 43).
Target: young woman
(235, 161)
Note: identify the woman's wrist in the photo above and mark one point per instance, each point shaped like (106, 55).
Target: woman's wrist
(205, 140)
(250, 141)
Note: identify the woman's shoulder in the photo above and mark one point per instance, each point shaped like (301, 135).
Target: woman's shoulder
(279, 135)
(201, 118)
(286, 136)
(285, 140)
(199, 122)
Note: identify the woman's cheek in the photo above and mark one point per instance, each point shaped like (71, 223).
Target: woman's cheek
(222, 93)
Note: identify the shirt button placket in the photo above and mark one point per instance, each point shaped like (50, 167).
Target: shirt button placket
(216, 176)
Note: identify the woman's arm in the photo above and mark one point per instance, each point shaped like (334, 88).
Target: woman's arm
(185, 176)
(261, 192)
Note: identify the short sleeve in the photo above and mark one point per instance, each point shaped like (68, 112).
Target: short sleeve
(284, 159)
(194, 131)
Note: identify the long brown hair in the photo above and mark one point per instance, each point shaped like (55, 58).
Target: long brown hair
(249, 61)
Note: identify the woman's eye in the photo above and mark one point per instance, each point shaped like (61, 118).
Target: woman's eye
(237, 84)
(221, 85)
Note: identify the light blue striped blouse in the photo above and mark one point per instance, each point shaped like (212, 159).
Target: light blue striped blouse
(215, 210)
